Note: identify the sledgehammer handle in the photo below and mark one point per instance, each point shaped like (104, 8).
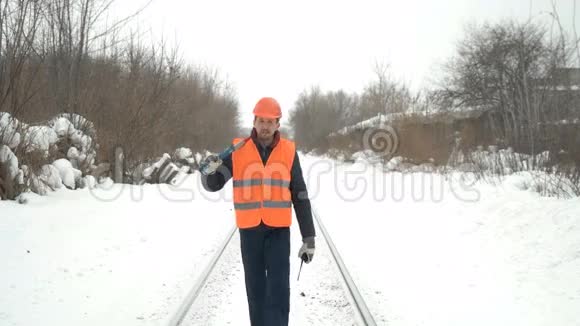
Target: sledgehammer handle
(227, 152)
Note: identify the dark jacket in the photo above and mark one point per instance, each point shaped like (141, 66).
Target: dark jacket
(300, 201)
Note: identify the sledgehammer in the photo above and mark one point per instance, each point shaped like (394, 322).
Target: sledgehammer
(228, 151)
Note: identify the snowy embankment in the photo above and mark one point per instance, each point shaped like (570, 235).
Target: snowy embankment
(105, 257)
(425, 251)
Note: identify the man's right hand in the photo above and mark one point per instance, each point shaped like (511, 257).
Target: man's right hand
(210, 164)
(306, 252)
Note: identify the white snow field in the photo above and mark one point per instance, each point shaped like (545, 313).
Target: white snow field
(421, 249)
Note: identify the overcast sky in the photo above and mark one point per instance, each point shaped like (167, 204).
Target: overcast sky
(279, 48)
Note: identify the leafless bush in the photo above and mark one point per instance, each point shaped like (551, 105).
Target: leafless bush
(574, 177)
(561, 184)
(548, 175)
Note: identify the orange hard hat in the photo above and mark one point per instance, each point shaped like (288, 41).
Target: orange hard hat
(267, 107)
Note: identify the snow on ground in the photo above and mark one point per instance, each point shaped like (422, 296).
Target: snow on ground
(422, 250)
(102, 258)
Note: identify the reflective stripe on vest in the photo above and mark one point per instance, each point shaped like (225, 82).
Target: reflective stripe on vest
(247, 182)
(261, 192)
(277, 182)
(246, 206)
(277, 204)
(257, 182)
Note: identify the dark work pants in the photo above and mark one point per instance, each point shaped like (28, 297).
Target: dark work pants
(266, 258)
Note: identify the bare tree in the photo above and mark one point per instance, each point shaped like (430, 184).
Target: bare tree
(316, 114)
(511, 68)
(384, 95)
(575, 31)
(19, 62)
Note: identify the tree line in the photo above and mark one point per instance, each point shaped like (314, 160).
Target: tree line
(518, 72)
(61, 56)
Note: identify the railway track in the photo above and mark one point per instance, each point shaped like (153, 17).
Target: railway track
(362, 314)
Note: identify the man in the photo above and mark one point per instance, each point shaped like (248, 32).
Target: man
(267, 182)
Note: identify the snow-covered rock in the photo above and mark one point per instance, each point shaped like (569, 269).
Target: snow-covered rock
(73, 153)
(426, 167)
(9, 160)
(163, 171)
(81, 140)
(180, 177)
(81, 134)
(182, 153)
(75, 122)
(199, 157)
(37, 185)
(51, 176)
(68, 173)
(40, 138)
(75, 158)
(88, 182)
(393, 164)
(62, 126)
(337, 154)
(106, 183)
(68, 179)
(367, 156)
(9, 134)
(46, 180)
(19, 179)
(183, 159)
(148, 172)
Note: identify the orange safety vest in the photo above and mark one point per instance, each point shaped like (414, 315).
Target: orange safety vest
(261, 191)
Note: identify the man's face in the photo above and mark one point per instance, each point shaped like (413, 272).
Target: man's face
(266, 127)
